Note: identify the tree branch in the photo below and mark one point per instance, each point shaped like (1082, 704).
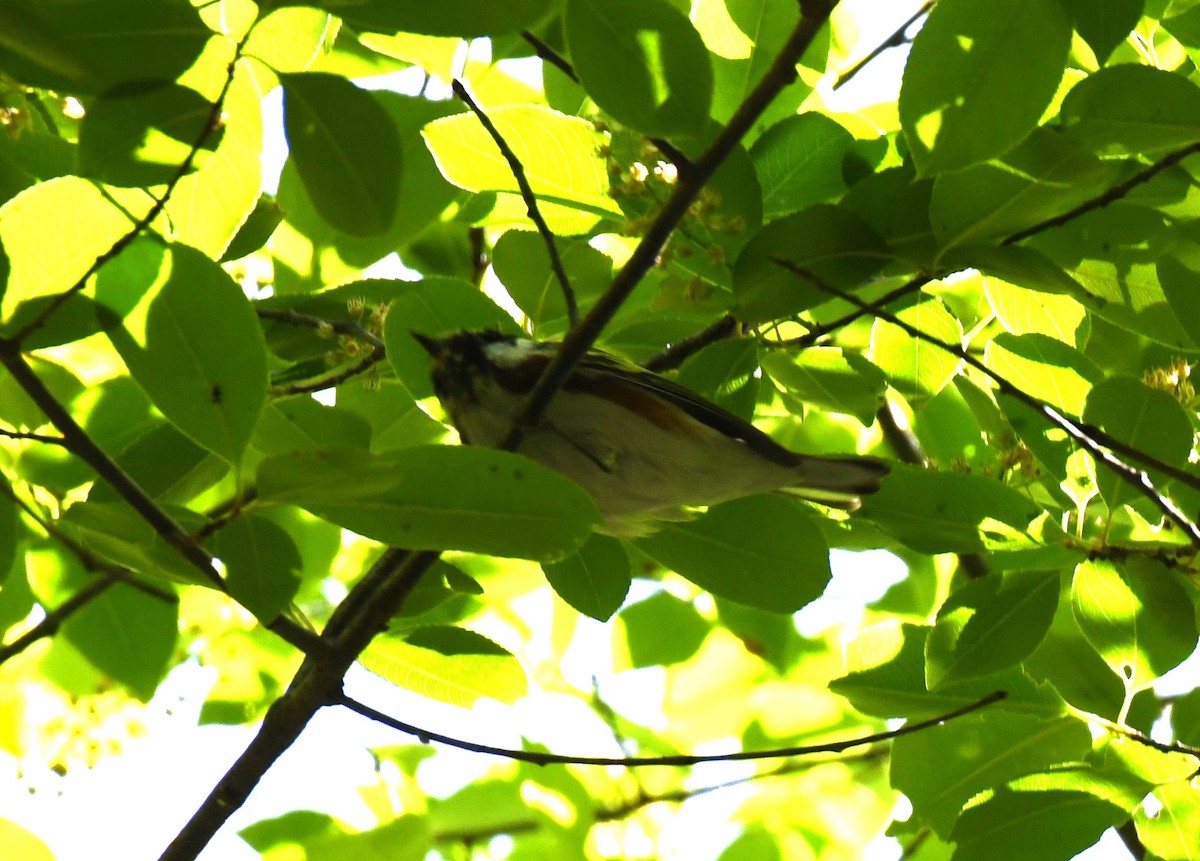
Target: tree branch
(898, 38)
(531, 204)
(1112, 195)
(537, 758)
(579, 340)
(674, 355)
(355, 622)
(1138, 479)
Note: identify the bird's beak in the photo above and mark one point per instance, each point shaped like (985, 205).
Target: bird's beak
(433, 346)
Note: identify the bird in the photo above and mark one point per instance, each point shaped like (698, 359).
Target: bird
(647, 449)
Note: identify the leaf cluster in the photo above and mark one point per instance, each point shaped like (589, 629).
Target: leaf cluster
(218, 436)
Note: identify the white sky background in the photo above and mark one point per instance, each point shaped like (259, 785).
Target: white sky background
(132, 804)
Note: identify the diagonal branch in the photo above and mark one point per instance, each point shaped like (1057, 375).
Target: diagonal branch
(579, 340)
(898, 38)
(531, 205)
(1136, 478)
(77, 441)
(53, 619)
(1111, 195)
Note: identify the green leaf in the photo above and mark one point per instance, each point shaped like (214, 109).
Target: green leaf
(886, 678)
(194, 344)
(437, 498)
(113, 413)
(917, 368)
(1103, 24)
(1045, 176)
(947, 512)
(464, 18)
(1185, 718)
(422, 195)
(1044, 368)
(290, 39)
(979, 76)
(127, 634)
(451, 665)
(522, 263)
(114, 531)
(255, 230)
(990, 624)
(94, 45)
(1149, 420)
(1113, 253)
(726, 373)
(762, 551)
(896, 205)
(1179, 276)
(318, 835)
(208, 205)
(942, 768)
(16, 599)
(834, 245)
(298, 423)
(262, 565)
(1170, 832)
(594, 579)
(642, 62)
(52, 234)
(346, 149)
(660, 631)
(1132, 109)
(1137, 616)
(142, 133)
(560, 155)
(743, 38)
(166, 464)
(799, 162)
(1024, 311)
(1039, 826)
(830, 378)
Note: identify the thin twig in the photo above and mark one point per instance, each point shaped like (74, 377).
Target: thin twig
(540, 758)
(814, 335)
(1138, 736)
(579, 340)
(309, 321)
(675, 354)
(531, 205)
(547, 54)
(1137, 478)
(898, 38)
(1112, 195)
(341, 327)
(54, 618)
(33, 437)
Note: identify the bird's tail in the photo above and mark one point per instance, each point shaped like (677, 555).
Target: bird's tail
(838, 482)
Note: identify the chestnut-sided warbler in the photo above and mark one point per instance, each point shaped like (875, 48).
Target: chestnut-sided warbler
(645, 448)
